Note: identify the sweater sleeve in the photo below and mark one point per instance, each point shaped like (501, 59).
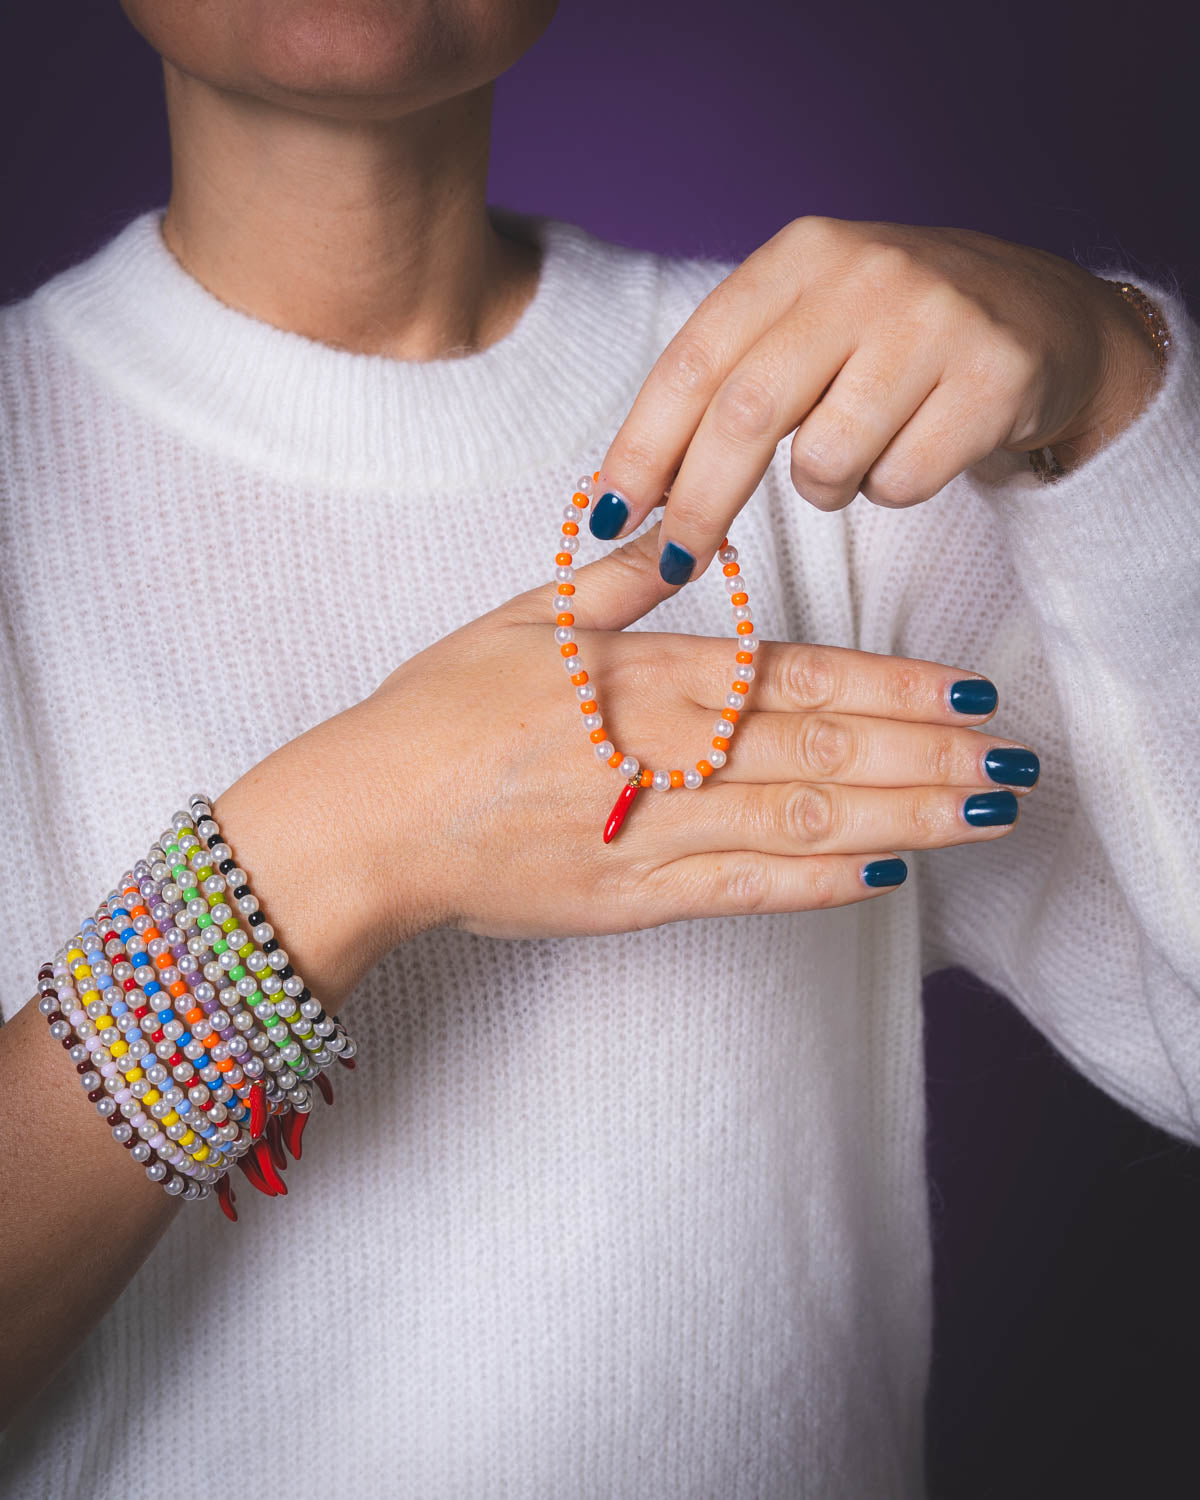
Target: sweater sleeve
(1086, 914)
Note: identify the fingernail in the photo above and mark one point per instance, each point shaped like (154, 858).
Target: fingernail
(987, 809)
(608, 515)
(1011, 766)
(675, 563)
(973, 695)
(884, 872)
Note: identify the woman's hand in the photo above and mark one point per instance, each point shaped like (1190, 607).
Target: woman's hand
(900, 356)
(464, 790)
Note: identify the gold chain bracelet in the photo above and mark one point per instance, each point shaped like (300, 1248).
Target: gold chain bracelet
(1043, 462)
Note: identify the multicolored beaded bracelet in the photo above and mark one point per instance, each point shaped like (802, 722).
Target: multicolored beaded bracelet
(165, 952)
(564, 636)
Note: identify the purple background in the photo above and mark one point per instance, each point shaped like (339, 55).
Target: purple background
(1064, 1226)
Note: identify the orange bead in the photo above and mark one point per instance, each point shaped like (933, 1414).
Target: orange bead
(579, 499)
(740, 598)
(579, 678)
(740, 687)
(676, 778)
(564, 559)
(225, 1066)
(194, 1015)
(616, 758)
(732, 714)
(719, 743)
(731, 570)
(564, 619)
(704, 767)
(566, 588)
(646, 778)
(177, 989)
(211, 1039)
(570, 528)
(724, 543)
(588, 706)
(151, 932)
(164, 960)
(745, 656)
(596, 735)
(569, 648)
(596, 477)
(745, 627)
(138, 911)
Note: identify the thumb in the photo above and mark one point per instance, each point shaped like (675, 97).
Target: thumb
(610, 593)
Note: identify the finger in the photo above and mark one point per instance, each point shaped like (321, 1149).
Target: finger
(801, 817)
(955, 427)
(649, 445)
(861, 751)
(796, 676)
(764, 396)
(870, 399)
(746, 882)
(606, 594)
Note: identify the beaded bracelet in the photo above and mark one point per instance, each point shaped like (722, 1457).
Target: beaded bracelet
(163, 953)
(1042, 460)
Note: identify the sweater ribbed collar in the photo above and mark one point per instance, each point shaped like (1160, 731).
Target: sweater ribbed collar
(555, 387)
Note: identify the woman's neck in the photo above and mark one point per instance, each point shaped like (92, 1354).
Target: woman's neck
(372, 236)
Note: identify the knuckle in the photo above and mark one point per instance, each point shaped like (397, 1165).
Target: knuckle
(689, 514)
(906, 690)
(822, 886)
(886, 263)
(825, 746)
(925, 819)
(746, 885)
(940, 758)
(689, 365)
(745, 408)
(806, 678)
(823, 459)
(634, 453)
(807, 814)
(895, 485)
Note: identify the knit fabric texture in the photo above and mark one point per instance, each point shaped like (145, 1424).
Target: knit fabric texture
(628, 1216)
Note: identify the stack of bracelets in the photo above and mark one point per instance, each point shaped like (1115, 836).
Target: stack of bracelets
(193, 1036)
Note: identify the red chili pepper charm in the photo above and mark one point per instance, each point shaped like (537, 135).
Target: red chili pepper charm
(326, 1088)
(226, 1199)
(261, 1152)
(619, 808)
(274, 1140)
(258, 1109)
(293, 1129)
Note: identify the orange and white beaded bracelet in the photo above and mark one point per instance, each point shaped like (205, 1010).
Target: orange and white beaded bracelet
(564, 635)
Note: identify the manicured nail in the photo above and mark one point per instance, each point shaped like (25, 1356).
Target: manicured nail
(884, 872)
(987, 809)
(973, 695)
(1012, 767)
(675, 563)
(608, 515)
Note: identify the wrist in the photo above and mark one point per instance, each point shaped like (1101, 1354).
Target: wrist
(298, 824)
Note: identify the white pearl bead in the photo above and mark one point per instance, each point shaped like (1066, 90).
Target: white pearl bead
(630, 766)
(604, 749)
(584, 691)
(661, 781)
(573, 664)
(592, 721)
(562, 634)
(692, 779)
(728, 554)
(734, 700)
(568, 544)
(564, 575)
(571, 513)
(586, 485)
(735, 584)
(745, 673)
(742, 612)
(723, 727)
(716, 759)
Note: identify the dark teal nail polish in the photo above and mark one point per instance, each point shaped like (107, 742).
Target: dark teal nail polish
(987, 809)
(884, 872)
(608, 516)
(675, 563)
(1011, 766)
(973, 695)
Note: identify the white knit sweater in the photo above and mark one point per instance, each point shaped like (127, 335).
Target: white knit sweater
(586, 1222)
